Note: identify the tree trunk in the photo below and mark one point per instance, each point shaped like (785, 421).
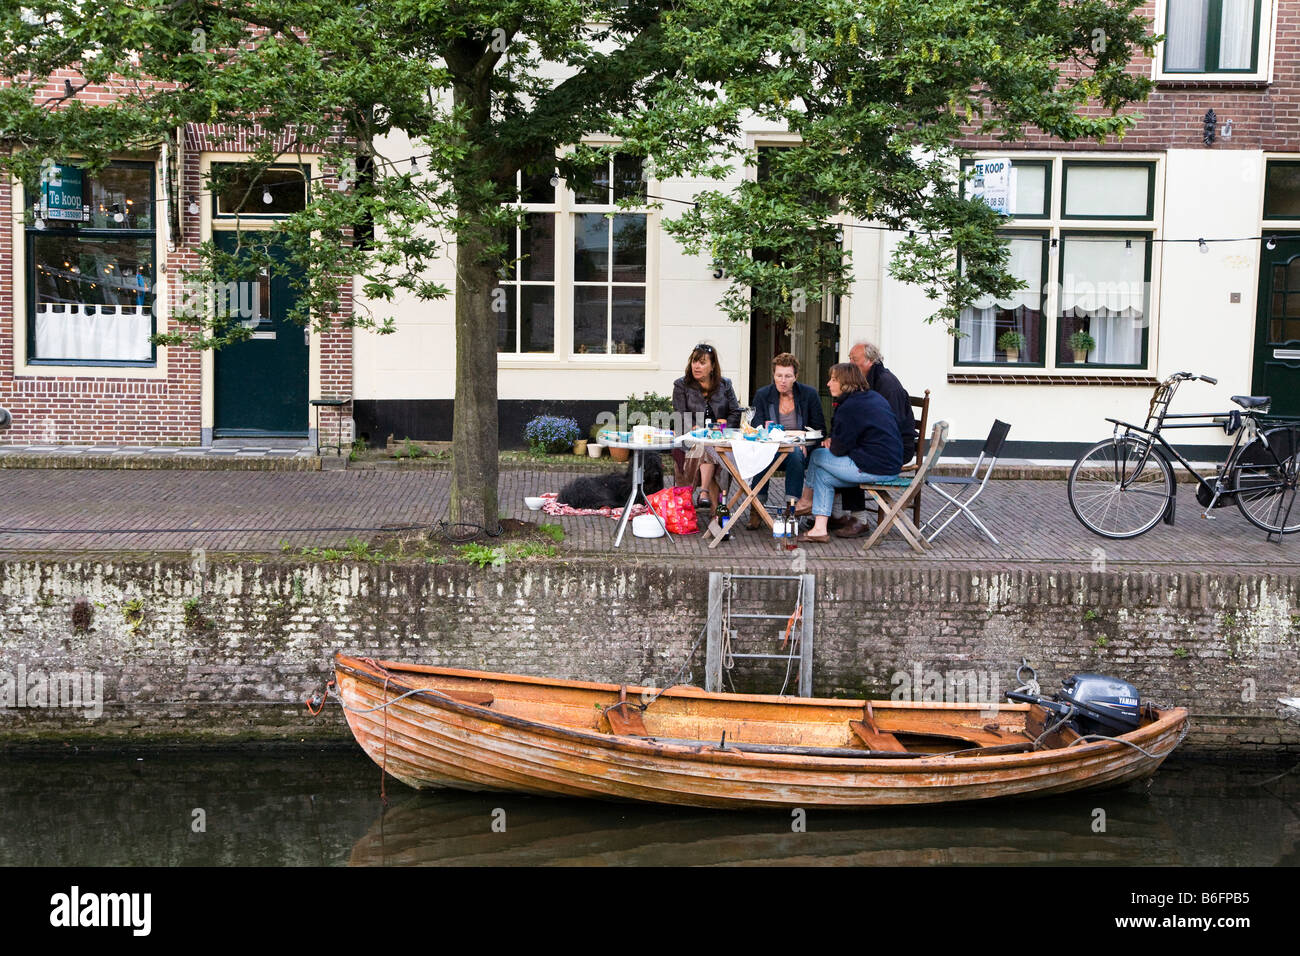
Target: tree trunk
(474, 427)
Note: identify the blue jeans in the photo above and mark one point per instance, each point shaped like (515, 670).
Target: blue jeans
(826, 472)
(794, 465)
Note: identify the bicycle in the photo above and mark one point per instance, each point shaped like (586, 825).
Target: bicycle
(1122, 486)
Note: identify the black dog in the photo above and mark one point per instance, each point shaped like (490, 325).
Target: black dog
(611, 490)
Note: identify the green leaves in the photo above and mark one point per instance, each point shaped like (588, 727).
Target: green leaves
(881, 94)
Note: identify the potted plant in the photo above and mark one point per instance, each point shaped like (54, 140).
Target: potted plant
(580, 447)
(1082, 343)
(1011, 342)
(656, 408)
(593, 436)
(551, 434)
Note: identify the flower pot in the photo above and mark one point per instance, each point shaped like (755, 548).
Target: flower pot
(1080, 356)
(1013, 356)
(594, 450)
(619, 454)
(580, 447)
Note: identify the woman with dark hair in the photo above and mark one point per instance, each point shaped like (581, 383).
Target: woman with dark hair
(864, 446)
(796, 406)
(703, 393)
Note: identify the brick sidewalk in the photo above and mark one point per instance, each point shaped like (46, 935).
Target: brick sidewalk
(115, 511)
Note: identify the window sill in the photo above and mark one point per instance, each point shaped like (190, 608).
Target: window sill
(1209, 81)
(1014, 378)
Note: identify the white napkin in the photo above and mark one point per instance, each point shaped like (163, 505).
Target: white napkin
(752, 457)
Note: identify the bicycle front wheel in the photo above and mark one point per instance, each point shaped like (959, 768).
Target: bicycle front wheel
(1264, 478)
(1120, 487)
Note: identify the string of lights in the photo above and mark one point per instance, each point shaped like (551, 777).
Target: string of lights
(1270, 239)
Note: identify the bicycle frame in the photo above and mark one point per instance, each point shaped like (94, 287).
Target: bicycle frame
(1158, 415)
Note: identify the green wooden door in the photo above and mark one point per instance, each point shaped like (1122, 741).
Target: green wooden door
(1277, 328)
(261, 384)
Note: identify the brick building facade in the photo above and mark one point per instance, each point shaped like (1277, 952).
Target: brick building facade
(76, 366)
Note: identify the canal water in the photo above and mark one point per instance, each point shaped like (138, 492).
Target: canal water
(322, 807)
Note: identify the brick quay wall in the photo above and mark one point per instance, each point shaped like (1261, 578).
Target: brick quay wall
(197, 651)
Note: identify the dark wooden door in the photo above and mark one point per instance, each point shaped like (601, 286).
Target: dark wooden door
(261, 384)
(1277, 328)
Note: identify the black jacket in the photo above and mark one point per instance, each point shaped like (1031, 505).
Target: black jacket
(887, 385)
(807, 407)
(864, 429)
(722, 403)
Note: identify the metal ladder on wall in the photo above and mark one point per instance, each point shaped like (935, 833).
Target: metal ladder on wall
(721, 634)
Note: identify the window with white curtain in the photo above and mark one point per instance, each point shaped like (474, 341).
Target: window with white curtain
(90, 265)
(1084, 250)
(1104, 297)
(1008, 330)
(1212, 36)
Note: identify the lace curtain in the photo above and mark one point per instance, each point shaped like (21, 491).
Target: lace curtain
(979, 320)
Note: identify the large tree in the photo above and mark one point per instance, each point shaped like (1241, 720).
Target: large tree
(880, 91)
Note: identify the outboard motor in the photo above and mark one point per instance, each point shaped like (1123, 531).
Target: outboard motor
(1092, 704)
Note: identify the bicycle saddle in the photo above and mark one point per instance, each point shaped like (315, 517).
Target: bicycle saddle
(1252, 401)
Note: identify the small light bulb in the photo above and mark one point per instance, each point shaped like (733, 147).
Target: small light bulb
(555, 180)
(40, 223)
(1128, 247)
(415, 167)
(266, 196)
(118, 217)
(1271, 244)
(1205, 246)
(194, 208)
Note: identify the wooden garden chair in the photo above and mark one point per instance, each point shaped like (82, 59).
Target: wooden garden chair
(906, 487)
(922, 423)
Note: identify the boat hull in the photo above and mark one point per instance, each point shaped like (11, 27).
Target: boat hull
(428, 740)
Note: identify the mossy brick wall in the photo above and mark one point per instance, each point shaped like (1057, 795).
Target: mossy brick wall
(230, 650)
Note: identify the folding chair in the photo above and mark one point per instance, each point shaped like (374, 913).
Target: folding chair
(992, 448)
(891, 512)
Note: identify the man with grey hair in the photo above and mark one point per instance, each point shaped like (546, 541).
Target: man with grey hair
(867, 357)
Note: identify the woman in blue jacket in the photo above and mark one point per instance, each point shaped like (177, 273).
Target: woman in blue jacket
(795, 406)
(864, 446)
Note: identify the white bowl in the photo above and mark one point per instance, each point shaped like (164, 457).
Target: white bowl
(534, 504)
(647, 526)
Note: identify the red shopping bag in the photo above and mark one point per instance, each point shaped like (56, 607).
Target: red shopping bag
(675, 507)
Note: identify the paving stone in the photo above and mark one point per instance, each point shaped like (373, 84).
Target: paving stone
(257, 510)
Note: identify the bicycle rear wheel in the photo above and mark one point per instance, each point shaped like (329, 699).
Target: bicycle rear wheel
(1120, 487)
(1264, 477)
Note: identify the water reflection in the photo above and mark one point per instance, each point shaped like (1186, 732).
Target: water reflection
(311, 807)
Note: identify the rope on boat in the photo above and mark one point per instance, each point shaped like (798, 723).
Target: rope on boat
(796, 645)
(1128, 743)
(676, 678)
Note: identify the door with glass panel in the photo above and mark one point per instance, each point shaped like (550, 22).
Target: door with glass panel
(1277, 327)
(260, 384)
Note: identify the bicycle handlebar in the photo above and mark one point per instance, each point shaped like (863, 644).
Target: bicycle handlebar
(1185, 376)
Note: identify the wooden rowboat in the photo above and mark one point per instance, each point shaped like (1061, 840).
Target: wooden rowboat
(434, 727)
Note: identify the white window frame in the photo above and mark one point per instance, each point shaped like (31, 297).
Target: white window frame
(158, 369)
(553, 209)
(1267, 30)
(1054, 225)
(565, 208)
